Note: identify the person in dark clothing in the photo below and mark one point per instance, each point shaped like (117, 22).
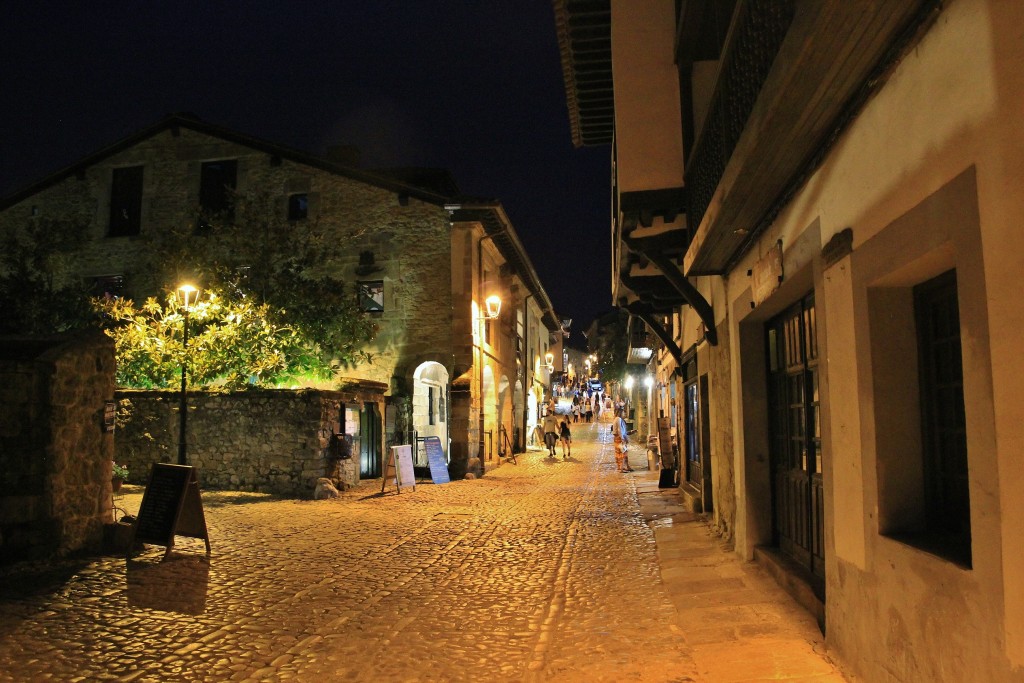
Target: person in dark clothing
(566, 437)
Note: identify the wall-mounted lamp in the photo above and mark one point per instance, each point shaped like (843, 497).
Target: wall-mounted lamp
(648, 381)
(629, 382)
(492, 305)
(549, 360)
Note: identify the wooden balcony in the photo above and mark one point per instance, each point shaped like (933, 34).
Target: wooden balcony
(793, 73)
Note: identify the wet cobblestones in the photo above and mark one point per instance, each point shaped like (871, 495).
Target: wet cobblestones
(545, 570)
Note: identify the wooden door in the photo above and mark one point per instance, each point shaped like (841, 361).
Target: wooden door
(797, 486)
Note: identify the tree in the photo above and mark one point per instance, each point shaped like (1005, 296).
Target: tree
(233, 344)
(254, 255)
(38, 292)
(612, 345)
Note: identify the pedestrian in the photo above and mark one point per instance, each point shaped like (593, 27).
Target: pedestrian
(575, 411)
(566, 437)
(621, 438)
(551, 429)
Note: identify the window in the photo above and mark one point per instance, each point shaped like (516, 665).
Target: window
(920, 421)
(298, 207)
(107, 286)
(217, 182)
(125, 201)
(943, 419)
(430, 406)
(371, 296)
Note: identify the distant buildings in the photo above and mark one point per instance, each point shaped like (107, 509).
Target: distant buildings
(816, 211)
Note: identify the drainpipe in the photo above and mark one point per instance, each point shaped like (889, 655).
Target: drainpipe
(527, 367)
(480, 280)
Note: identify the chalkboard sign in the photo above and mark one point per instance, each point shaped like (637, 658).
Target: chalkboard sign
(436, 460)
(171, 506)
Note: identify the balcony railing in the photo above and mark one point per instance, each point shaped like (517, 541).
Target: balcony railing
(755, 42)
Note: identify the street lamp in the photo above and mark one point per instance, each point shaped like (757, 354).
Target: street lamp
(187, 295)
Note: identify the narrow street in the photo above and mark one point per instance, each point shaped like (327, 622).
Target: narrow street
(545, 570)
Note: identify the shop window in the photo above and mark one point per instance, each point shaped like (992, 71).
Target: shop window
(125, 202)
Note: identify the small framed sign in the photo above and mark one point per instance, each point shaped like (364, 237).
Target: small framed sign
(109, 415)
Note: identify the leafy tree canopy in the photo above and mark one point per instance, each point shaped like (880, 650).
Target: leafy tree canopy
(36, 290)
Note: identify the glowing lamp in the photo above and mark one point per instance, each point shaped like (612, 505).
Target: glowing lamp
(492, 304)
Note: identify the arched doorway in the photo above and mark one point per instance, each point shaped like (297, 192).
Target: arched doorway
(429, 407)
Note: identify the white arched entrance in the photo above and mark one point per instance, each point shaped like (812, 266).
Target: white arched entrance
(430, 407)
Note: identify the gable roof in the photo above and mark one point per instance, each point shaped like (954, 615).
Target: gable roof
(405, 184)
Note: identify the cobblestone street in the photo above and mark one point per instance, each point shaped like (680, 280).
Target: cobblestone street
(545, 570)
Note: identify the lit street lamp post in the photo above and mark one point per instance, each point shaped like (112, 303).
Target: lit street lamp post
(186, 293)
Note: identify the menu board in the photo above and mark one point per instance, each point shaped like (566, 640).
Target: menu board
(436, 460)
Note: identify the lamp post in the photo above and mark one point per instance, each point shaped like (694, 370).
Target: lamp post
(188, 295)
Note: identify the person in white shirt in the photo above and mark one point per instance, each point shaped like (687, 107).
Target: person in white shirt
(551, 429)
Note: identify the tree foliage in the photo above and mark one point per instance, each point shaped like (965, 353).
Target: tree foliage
(37, 289)
(266, 268)
(273, 306)
(232, 343)
(612, 347)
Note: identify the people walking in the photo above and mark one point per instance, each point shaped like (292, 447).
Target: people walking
(621, 438)
(566, 437)
(551, 429)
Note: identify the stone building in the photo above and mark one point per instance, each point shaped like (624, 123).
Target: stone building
(419, 258)
(816, 210)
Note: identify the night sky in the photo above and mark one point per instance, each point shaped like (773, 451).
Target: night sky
(474, 86)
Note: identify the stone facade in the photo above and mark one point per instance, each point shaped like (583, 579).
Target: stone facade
(55, 452)
(397, 232)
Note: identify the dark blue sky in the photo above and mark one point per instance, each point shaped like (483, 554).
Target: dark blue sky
(474, 86)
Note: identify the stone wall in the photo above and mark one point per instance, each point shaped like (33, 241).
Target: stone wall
(55, 455)
(273, 441)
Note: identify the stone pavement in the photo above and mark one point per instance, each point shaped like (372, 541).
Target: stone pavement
(549, 570)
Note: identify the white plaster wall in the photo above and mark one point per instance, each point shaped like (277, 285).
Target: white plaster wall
(955, 101)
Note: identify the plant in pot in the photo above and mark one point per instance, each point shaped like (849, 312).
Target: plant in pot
(119, 475)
